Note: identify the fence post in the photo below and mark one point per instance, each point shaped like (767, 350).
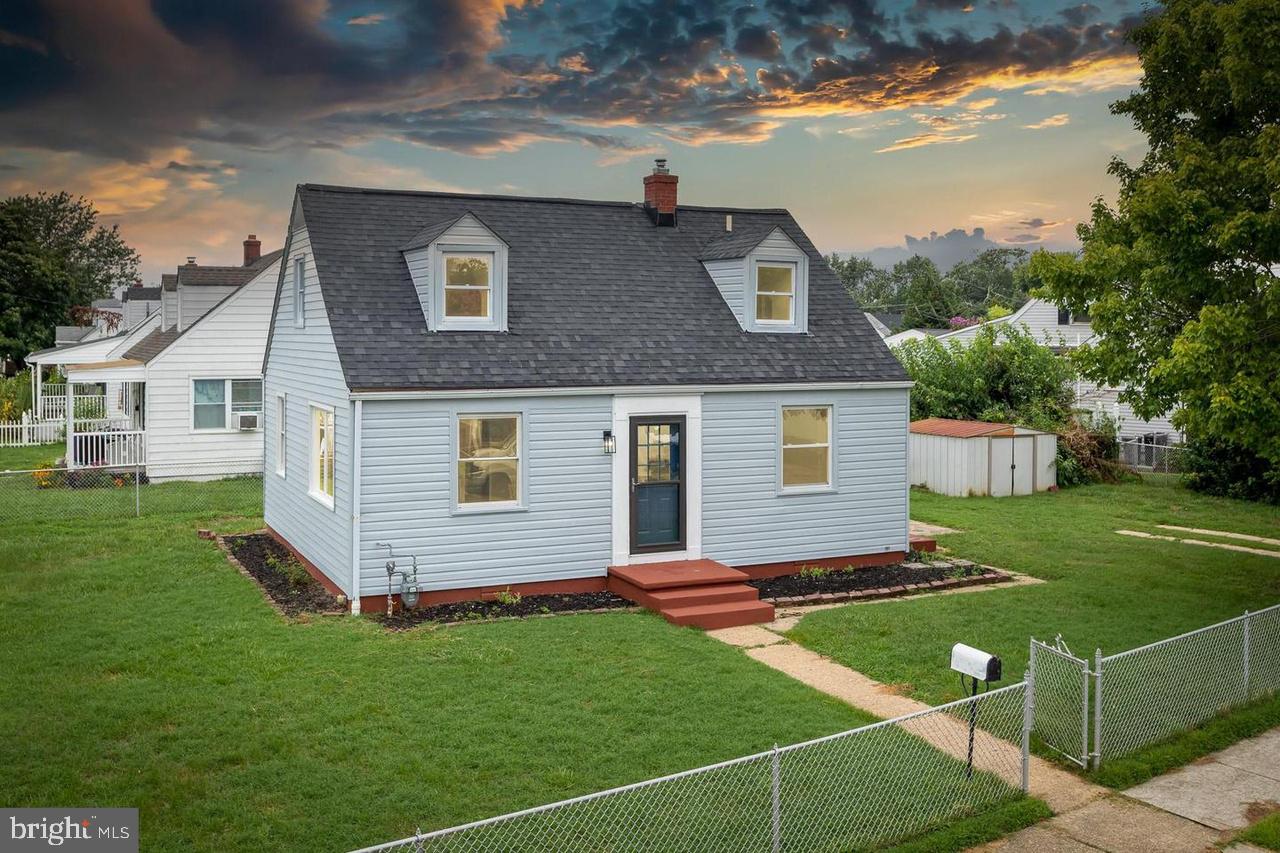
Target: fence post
(1097, 709)
(1248, 692)
(1028, 719)
(137, 496)
(776, 801)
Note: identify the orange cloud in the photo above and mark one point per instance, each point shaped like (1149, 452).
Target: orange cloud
(1052, 121)
(923, 139)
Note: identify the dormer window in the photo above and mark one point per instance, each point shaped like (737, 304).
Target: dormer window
(776, 293)
(468, 285)
(459, 270)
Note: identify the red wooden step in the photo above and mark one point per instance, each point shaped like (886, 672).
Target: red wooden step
(726, 615)
(677, 573)
(922, 544)
(692, 596)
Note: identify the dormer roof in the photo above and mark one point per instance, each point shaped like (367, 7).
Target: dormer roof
(596, 296)
(436, 230)
(740, 242)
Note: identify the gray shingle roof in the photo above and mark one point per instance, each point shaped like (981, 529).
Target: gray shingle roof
(738, 243)
(71, 333)
(211, 276)
(134, 294)
(597, 295)
(152, 345)
(169, 281)
(105, 304)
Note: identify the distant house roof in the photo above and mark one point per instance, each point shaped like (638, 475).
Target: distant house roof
(193, 275)
(597, 295)
(959, 429)
(107, 304)
(152, 345)
(134, 294)
(879, 326)
(169, 281)
(891, 319)
(71, 334)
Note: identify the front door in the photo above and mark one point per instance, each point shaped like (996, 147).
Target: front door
(657, 484)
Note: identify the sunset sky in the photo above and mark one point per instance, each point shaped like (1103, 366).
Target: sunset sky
(190, 123)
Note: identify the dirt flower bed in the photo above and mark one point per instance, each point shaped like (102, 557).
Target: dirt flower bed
(286, 583)
(505, 606)
(821, 585)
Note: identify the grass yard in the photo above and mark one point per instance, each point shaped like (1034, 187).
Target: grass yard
(141, 670)
(30, 456)
(1264, 833)
(1104, 589)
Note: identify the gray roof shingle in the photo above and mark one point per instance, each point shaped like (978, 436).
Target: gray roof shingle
(134, 294)
(169, 281)
(190, 275)
(152, 345)
(597, 296)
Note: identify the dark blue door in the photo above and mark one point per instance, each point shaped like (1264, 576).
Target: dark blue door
(657, 484)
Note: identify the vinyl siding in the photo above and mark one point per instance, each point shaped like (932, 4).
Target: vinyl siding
(168, 309)
(226, 344)
(731, 280)
(303, 364)
(195, 302)
(746, 521)
(408, 499)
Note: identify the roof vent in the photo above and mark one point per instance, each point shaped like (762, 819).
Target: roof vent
(191, 260)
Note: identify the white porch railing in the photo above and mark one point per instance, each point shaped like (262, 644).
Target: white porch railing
(29, 431)
(108, 448)
(85, 405)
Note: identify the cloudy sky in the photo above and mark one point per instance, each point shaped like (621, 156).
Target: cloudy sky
(189, 123)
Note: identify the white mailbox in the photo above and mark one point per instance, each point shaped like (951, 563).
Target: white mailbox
(975, 663)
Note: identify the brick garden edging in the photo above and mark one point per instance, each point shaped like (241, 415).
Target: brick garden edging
(992, 575)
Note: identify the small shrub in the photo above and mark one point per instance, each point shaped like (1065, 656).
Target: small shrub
(1216, 467)
(507, 597)
(297, 574)
(813, 572)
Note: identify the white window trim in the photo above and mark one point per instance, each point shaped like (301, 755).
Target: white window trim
(227, 422)
(794, 267)
(313, 486)
(445, 287)
(497, 319)
(799, 323)
(282, 435)
(520, 504)
(298, 272)
(815, 488)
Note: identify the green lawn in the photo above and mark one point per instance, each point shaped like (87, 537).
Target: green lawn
(30, 456)
(1103, 589)
(141, 670)
(1264, 833)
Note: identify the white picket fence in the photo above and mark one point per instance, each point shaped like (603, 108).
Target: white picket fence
(109, 448)
(53, 404)
(28, 431)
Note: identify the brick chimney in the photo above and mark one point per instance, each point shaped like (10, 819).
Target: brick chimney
(252, 249)
(660, 194)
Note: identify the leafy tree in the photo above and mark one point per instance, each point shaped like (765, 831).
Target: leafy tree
(53, 256)
(928, 300)
(994, 277)
(1179, 277)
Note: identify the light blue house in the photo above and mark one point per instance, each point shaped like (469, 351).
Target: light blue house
(526, 392)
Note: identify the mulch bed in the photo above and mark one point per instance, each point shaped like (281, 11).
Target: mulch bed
(292, 593)
(875, 582)
(477, 611)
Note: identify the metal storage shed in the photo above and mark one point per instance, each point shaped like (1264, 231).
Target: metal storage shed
(961, 458)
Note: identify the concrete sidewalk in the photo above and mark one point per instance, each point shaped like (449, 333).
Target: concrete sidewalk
(1188, 810)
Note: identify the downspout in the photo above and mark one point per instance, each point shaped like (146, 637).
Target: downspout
(355, 506)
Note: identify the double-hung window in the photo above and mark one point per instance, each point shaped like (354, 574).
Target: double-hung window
(775, 293)
(488, 461)
(216, 402)
(468, 285)
(806, 447)
(322, 448)
(282, 409)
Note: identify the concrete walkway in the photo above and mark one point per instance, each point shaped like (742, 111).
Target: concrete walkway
(1059, 788)
(1191, 810)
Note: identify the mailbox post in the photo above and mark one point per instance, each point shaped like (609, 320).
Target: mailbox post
(982, 668)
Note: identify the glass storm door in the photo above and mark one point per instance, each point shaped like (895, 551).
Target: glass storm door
(657, 484)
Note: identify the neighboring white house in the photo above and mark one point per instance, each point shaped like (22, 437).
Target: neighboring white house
(1062, 331)
(556, 395)
(196, 381)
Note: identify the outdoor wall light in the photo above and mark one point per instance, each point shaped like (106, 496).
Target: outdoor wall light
(610, 443)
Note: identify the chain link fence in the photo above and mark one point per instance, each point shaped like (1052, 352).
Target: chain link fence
(1061, 700)
(1135, 698)
(867, 787)
(1163, 460)
(45, 500)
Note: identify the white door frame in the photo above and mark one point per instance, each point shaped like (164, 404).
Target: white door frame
(688, 406)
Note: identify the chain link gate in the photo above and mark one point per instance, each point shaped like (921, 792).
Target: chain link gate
(1061, 702)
